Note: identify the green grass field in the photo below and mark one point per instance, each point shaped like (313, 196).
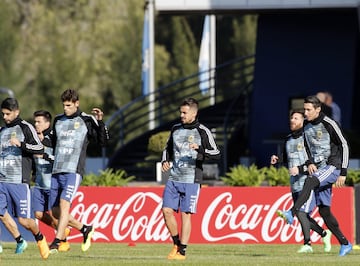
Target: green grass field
(155, 254)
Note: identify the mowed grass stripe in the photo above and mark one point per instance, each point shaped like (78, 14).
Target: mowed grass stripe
(197, 254)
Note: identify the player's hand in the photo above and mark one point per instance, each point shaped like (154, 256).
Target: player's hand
(274, 159)
(312, 169)
(165, 166)
(340, 182)
(294, 171)
(97, 113)
(15, 142)
(193, 146)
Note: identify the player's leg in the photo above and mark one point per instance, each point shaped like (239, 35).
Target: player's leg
(63, 190)
(310, 184)
(188, 205)
(171, 204)
(303, 216)
(323, 177)
(333, 225)
(40, 202)
(20, 194)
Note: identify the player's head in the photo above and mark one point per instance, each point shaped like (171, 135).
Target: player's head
(42, 120)
(10, 110)
(312, 107)
(70, 100)
(296, 119)
(189, 110)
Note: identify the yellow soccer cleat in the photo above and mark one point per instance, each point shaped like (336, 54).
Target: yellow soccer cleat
(173, 252)
(44, 248)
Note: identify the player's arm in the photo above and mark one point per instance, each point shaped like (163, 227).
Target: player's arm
(167, 154)
(337, 137)
(208, 148)
(97, 130)
(31, 143)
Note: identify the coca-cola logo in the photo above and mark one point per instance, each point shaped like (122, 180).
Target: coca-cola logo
(139, 218)
(132, 219)
(242, 221)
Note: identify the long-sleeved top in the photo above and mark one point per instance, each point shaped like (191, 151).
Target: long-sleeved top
(187, 162)
(72, 135)
(16, 162)
(327, 144)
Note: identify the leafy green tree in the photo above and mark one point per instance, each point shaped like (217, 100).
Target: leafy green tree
(244, 36)
(92, 46)
(8, 43)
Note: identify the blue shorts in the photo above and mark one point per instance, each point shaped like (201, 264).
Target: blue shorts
(309, 205)
(181, 195)
(40, 199)
(327, 175)
(63, 186)
(324, 195)
(15, 199)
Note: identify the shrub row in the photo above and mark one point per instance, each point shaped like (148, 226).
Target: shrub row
(107, 178)
(270, 176)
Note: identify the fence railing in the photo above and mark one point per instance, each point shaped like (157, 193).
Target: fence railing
(132, 120)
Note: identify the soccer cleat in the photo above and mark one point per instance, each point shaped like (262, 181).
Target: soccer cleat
(44, 248)
(327, 241)
(54, 247)
(345, 249)
(178, 256)
(173, 252)
(89, 231)
(67, 232)
(64, 246)
(20, 247)
(286, 215)
(305, 249)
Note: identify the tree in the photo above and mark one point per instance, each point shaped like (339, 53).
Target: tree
(8, 43)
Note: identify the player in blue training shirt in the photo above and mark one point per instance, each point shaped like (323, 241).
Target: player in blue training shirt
(189, 144)
(73, 131)
(19, 143)
(329, 159)
(295, 157)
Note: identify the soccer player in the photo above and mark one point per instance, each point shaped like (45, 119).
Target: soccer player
(189, 144)
(43, 170)
(72, 132)
(328, 165)
(19, 143)
(295, 157)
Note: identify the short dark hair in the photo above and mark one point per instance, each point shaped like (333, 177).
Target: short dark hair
(313, 100)
(44, 114)
(297, 111)
(191, 102)
(70, 95)
(10, 104)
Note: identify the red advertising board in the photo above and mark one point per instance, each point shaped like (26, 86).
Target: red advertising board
(225, 215)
